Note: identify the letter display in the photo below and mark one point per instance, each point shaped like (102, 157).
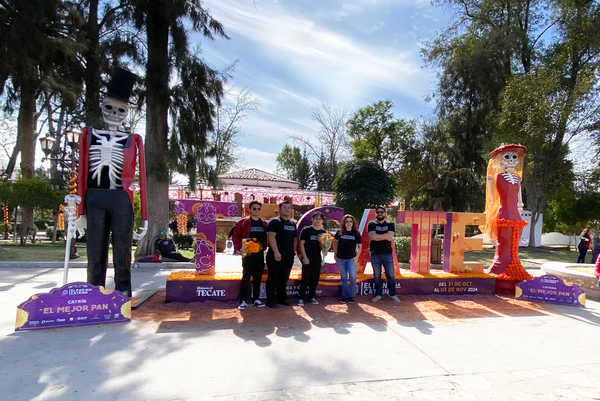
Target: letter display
(207, 213)
(455, 243)
(420, 251)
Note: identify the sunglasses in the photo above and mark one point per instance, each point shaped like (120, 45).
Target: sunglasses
(256, 208)
(380, 212)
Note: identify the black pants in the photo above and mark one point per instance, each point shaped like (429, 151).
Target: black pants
(109, 211)
(253, 266)
(582, 253)
(310, 277)
(279, 274)
(175, 256)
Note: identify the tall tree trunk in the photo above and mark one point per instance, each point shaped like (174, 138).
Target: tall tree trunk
(26, 133)
(157, 86)
(93, 81)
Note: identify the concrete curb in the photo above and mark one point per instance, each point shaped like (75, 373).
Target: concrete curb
(587, 282)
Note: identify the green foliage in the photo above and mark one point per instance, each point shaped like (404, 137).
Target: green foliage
(183, 240)
(402, 245)
(137, 211)
(296, 165)
(221, 235)
(60, 234)
(361, 184)
(377, 136)
(35, 193)
(403, 230)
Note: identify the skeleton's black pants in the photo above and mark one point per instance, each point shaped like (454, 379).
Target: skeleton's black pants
(109, 210)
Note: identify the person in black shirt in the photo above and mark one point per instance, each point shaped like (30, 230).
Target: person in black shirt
(381, 234)
(346, 248)
(283, 240)
(310, 249)
(166, 247)
(253, 264)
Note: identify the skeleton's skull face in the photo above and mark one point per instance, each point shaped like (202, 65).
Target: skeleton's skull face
(509, 161)
(114, 111)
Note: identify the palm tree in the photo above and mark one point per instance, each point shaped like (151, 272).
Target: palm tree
(168, 48)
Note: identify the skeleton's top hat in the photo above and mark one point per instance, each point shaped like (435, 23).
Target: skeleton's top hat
(121, 85)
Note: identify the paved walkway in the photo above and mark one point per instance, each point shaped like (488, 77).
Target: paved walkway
(532, 356)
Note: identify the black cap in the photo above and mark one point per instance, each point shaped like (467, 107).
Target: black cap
(121, 85)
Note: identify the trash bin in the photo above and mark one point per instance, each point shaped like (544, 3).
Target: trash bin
(436, 250)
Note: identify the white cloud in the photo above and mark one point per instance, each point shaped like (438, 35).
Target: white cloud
(319, 54)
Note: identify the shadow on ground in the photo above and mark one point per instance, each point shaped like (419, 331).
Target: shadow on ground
(256, 324)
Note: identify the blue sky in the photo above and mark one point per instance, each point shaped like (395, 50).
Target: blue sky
(295, 54)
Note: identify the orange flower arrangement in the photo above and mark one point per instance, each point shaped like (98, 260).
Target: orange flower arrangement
(250, 246)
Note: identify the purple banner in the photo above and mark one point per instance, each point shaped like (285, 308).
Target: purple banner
(550, 289)
(75, 304)
(196, 291)
(434, 286)
(228, 290)
(207, 213)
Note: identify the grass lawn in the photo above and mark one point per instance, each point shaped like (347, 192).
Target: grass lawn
(46, 252)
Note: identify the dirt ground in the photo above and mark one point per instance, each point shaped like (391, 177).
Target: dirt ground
(213, 315)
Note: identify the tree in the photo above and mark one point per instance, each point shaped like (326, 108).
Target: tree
(162, 20)
(360, 184)
(378, 137)
(219, 156)
(502, 74)
(30, 193)
(331, 151)
(296, 165)
(193, 106)
(37, 52)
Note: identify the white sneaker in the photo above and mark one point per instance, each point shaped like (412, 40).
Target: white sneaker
(376, 298)
(243, 305)
(314, 301)
(300, 302)
(258, 303)
(394, 298)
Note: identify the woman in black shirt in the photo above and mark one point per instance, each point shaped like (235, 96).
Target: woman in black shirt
(346, 247)
(310, 249)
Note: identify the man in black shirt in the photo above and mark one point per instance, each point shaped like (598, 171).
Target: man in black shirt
(166, 247)
(283, 240)
(381, 234)
(253, 264)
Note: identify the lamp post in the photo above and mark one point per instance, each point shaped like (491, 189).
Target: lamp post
(201, 186)
(67, 160)
(4, 178)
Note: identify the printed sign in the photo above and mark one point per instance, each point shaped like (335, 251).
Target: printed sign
(431, 286)
(75, 304)
(550, 289)
(210, 290)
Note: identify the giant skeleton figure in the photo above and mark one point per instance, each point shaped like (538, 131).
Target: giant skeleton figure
(107, 164)
(503, 210)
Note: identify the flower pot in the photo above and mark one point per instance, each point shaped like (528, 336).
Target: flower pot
(221, 244)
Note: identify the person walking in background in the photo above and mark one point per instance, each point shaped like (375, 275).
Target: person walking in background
(596, 248)
(584, 243)
(381, 233)
(283, 240)
(346, 248)
(253, 263)
(310, 251)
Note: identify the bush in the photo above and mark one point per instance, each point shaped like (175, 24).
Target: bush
(403, 230)
(60, 234)
(184, 241)
(402, 245)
